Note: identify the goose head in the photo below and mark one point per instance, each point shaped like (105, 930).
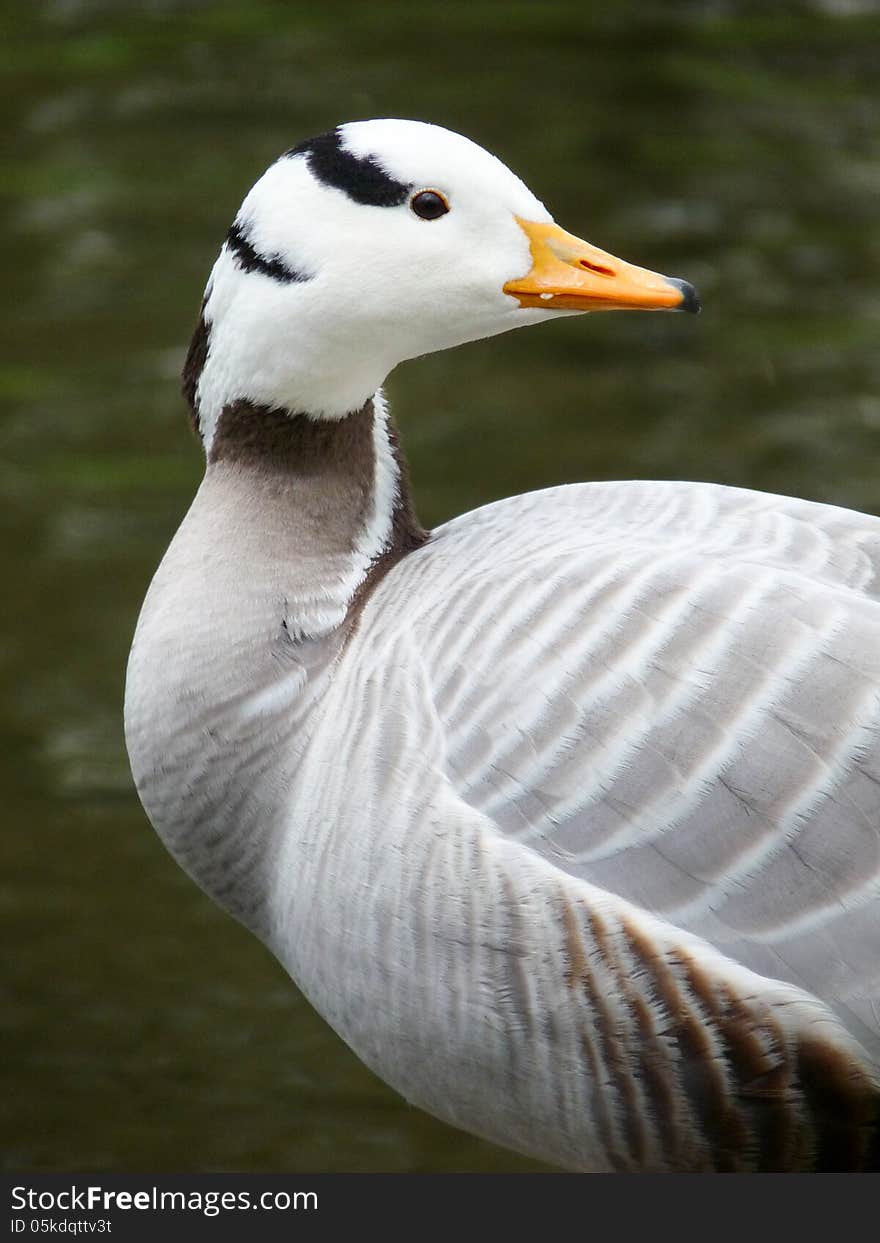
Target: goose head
(378, 242)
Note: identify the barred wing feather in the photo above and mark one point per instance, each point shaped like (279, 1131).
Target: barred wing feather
(668, 695)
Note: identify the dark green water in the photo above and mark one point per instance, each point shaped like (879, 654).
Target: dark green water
(736, 144)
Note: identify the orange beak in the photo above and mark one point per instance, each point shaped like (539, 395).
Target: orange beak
(568, 274)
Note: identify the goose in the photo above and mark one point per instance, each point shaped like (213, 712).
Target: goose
(565, 815)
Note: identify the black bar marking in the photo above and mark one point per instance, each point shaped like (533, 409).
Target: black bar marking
(250, 261)
(361, 177)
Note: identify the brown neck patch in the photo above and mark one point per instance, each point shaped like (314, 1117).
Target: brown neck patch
(274, 441)
(334, 458)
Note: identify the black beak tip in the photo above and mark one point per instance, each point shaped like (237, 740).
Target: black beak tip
(690, 300)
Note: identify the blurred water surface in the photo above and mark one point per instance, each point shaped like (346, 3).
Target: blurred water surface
(735, 144)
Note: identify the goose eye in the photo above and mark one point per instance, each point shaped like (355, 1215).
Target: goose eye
(429, 204)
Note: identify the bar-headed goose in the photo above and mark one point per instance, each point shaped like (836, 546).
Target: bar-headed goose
(566, 815)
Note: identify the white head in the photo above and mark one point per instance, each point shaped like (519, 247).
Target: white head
(378, 242)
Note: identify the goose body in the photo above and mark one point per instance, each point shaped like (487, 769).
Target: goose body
(566, 815)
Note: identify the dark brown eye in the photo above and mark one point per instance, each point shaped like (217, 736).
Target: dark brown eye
(429, 204)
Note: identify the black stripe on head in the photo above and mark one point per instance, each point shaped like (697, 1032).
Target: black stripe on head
(361, 177)
(250, 261)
